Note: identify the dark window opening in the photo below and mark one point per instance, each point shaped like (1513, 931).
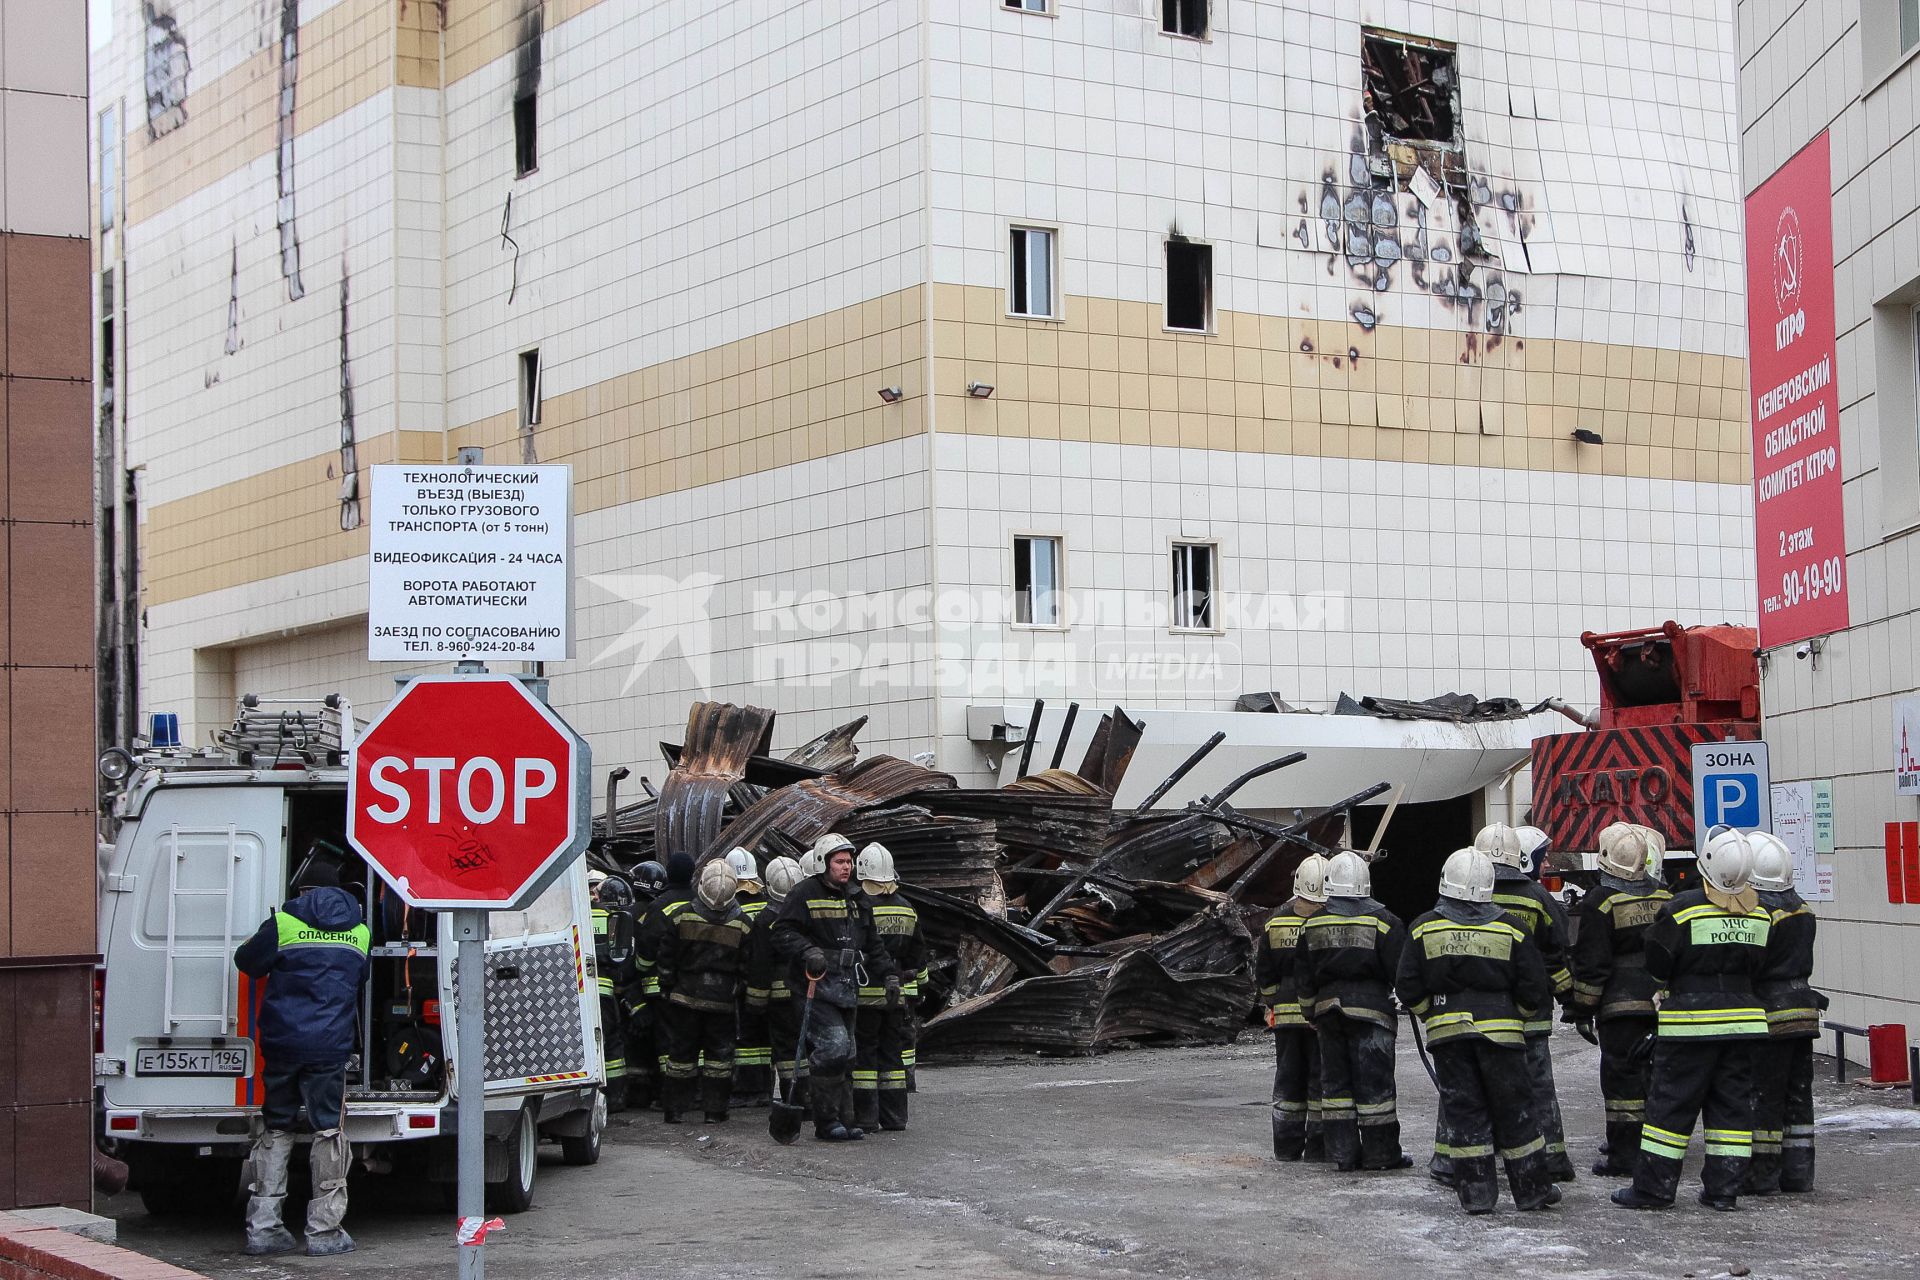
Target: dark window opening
(1193, 586)
(526, 147)
(108, 363)
(1030, 272)
(1189, 285)
(1411, 88)
(1184, 18)
(530, 389)
(1036, 582)
(1028, 6)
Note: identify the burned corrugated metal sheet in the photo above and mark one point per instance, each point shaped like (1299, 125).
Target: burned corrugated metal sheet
(954, 855)
(1165, 846)
(808, 810)
(1133, 998)
(720, 739)
(832, 750)
(974, 950)
(1045, 825)
(1059, 782)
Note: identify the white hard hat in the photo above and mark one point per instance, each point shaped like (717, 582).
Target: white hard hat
(1772, 862)
(718, 884)
(782, 875)
(1532, 841)
(743, 865)
(811, 863)
(1310, 878)
(1467, 876)
(874, 867)
(1727, 861)
(594, 877)
(1623, 851)
(1501, 843)
(1347, 876)
(1656, 854)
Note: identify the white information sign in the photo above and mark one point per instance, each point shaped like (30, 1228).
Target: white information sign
(1906, 746)
(1796, 822)
(470, 562)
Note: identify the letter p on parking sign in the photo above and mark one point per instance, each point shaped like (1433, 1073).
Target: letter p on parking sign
(1732, 787)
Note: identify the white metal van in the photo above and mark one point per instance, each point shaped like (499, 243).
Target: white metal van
(205, 846)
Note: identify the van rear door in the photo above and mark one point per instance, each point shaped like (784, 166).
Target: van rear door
(189, 885)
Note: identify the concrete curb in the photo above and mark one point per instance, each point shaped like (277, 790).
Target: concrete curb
(31, 1250)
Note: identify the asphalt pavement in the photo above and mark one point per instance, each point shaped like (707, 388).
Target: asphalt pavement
(1152, 1162)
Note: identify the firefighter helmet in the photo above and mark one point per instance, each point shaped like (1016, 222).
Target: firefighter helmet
(1623, 851)
(595, 877)
(814, 860)
(1310, 878)
(874, 867)
(616, 892)
(1467, 876)
(1727, 861)
(1772, 862)
(1347, 876)
(744, 867)
(1656, 854)
(718, 884)
(782, 875)
(1501, 843)
(1533, 848)
(650, 876)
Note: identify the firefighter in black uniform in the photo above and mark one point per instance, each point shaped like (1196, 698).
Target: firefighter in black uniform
(1611, 985)
(767, 981)
(1296, 1053)
(613, 941)
(702, 962)
(643, 1046)
(753, 1056)
(884, 1034)
(1783, 1066)
(826, 936)
(1706, 948)
(1516, 892)
(668, 903)
(1471, 974)
(1345, 964)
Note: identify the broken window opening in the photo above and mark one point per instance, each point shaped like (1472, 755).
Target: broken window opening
(1411, 88)
(1036, 581)
(526, 150)
(1193, 586)
(529, 402)
(1184, 18)
(108, 355)
(1189, 285)
(1030, 273)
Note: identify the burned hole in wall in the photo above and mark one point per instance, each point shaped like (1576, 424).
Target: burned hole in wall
(1411, 94)
(1189, 285)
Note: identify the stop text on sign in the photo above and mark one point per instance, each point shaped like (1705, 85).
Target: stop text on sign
(478, 776)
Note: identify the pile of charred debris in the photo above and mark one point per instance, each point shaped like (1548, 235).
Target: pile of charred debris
(1057, 923)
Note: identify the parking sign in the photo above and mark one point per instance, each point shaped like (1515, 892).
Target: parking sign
(1732, 787)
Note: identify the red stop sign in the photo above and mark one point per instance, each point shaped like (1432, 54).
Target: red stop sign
(467, 791)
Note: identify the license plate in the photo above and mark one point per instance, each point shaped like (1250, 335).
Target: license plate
(190, 1062)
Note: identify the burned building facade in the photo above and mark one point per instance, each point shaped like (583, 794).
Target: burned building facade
(918, 361)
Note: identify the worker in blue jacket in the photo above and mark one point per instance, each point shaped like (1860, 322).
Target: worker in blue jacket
(313, 952)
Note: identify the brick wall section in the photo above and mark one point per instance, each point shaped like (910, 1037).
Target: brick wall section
(29, 1251)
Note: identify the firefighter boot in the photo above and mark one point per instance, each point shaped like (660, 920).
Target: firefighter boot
(893, 1109)
(1655, 1180)
(1531, 1182)
(328, 1159)
(848, 1116)
(266, 1233)
(829, 1124)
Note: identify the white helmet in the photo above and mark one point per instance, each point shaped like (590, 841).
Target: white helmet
(1533, 842)
(1501, 843)
(1656, 854)
(743, 865)
(1623, 851)
(814, 860)
(1727, 861)
(874, 868)
(1310, 878)
(782, 875)
(1467, 876)
(595, 877)
(1347, 876)
(1772, 862)
(718, 884)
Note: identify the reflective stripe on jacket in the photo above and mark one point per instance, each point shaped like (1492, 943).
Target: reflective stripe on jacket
(1346, 960)
(1610, 977)
(1274, 963)
(313, 952)
(1471, 972)
(1707, 956)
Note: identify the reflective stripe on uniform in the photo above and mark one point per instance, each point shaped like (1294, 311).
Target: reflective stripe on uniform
(1663, 1142)
(1621, 1110)
(1526, 1149)
(1729, 1142)
(866, 1080)
(1377, 1113)
(1472, 1151)
(1713, 1022)
(294, 932)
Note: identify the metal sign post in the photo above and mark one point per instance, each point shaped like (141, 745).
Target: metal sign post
(470, 1068)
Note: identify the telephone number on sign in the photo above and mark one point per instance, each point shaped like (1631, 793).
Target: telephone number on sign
(492, 646)
(1812, 581)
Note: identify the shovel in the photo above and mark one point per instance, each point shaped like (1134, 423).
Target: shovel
(784, 1118)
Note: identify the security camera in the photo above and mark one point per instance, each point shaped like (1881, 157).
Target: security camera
(1803, 651)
